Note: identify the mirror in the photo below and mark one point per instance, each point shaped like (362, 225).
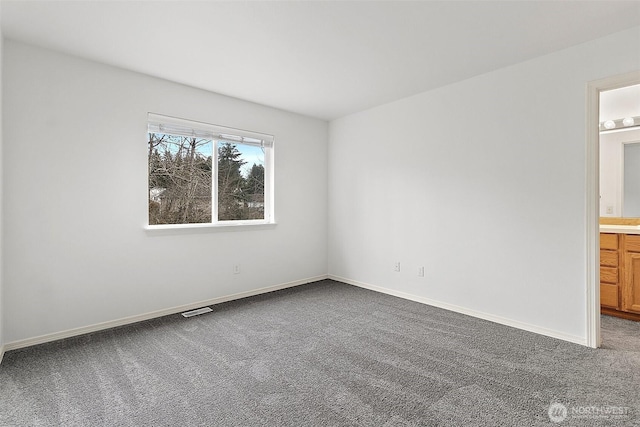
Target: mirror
(631, 180)
(619, 190)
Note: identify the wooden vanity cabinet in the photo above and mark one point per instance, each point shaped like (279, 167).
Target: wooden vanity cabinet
(631, 287)
(610, 270)
(620, 275)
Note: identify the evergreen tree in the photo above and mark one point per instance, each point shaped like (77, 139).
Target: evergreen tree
(255, 180)
(231, 195)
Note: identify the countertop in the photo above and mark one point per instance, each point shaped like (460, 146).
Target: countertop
(622, 229)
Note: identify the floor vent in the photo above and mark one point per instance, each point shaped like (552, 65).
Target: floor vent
(196, 312)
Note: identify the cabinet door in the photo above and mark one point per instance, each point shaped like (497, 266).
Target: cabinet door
(631, 287)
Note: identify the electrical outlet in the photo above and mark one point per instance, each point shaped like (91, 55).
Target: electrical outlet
(420, 271)
(236, 269)
(396, 266)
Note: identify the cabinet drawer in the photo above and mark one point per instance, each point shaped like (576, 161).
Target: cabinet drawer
(632, 243)
(609, 295)
(608, 241)
(609, 274)
(609, 258)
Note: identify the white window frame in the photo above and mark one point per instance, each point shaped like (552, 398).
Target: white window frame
(158, 123)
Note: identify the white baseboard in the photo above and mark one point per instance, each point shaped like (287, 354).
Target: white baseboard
(481, 315)
(151, 315)
(173, 310)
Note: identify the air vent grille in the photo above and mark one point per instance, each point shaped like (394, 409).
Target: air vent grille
(196, 312)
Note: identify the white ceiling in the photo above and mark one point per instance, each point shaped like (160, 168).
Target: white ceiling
(322, 59)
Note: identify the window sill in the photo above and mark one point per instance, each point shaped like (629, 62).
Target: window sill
(169, 229)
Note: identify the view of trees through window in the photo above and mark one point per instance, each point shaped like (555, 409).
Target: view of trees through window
(181, 174)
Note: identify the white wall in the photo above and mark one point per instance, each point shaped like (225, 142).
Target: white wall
(75, 162)
(611, 170)
(481, 182)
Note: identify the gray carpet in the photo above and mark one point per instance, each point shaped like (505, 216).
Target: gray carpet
(322, 354)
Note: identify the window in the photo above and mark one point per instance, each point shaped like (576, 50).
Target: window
(206, 174)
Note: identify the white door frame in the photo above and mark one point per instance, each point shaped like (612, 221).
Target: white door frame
(593, 197)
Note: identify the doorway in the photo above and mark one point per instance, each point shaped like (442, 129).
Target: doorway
(594, 90)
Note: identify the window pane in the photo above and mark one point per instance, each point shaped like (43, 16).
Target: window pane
(240, 182)
(180, 179)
